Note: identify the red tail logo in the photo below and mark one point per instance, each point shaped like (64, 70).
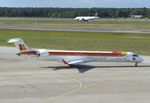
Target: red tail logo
(22, 47)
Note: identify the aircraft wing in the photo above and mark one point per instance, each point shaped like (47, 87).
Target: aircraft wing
(72, 62)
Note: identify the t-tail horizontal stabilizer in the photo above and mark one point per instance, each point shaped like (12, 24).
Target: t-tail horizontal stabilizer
(20, 44)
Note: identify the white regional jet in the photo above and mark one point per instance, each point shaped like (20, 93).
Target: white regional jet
(86, 18)
(74, 57)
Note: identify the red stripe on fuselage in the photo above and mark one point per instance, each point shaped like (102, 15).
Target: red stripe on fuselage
(64, 53)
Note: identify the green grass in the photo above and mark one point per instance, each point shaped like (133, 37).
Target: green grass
(119, 23)
(139, 43)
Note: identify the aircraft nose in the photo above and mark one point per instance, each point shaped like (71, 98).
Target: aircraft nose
(141, 59)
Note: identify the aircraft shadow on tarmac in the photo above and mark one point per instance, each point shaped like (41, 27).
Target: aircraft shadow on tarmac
(81, 68)
(85, 68)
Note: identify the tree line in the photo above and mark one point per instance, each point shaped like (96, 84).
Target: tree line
(73, 12)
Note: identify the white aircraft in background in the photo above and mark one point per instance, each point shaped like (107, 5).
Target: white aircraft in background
(86, 18)
(74, 57)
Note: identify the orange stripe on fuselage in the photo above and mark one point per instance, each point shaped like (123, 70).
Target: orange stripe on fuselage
(28, 53)
(63, 53)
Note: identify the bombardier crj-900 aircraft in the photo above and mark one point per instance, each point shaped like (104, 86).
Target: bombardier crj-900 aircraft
(74, 57)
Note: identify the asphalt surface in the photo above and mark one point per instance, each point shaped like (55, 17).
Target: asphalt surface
(23, 80)
(75, 29)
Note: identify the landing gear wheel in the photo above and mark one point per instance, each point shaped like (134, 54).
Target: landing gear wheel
(71, 65)
(136, 64)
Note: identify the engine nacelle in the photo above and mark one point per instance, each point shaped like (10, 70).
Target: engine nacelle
(43, 52)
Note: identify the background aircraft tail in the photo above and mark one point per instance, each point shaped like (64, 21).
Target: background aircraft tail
(20, 44)
(97, 14)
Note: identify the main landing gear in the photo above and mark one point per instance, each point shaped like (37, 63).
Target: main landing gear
(136, 64)
(72, 66)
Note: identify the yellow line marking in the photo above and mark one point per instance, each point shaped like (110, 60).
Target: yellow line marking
(81, 85)
(72, 91)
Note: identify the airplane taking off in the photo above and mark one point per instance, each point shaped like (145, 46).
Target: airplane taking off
(74, 57)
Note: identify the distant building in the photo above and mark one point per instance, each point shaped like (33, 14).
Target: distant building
(136, 16)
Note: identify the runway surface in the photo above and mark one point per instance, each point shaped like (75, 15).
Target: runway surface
(76, 29)
(27, 81)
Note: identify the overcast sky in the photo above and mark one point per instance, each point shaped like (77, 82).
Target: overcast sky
(75, 3)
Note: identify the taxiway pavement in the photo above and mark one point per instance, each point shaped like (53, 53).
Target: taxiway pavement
(75, 29)
(30, 81)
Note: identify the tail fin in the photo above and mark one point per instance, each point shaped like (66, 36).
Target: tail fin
(20, 44)
(97, 14)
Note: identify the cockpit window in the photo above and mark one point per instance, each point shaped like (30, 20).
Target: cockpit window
(135, 55)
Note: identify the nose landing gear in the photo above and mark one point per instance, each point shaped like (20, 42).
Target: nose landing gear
(136, 64)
